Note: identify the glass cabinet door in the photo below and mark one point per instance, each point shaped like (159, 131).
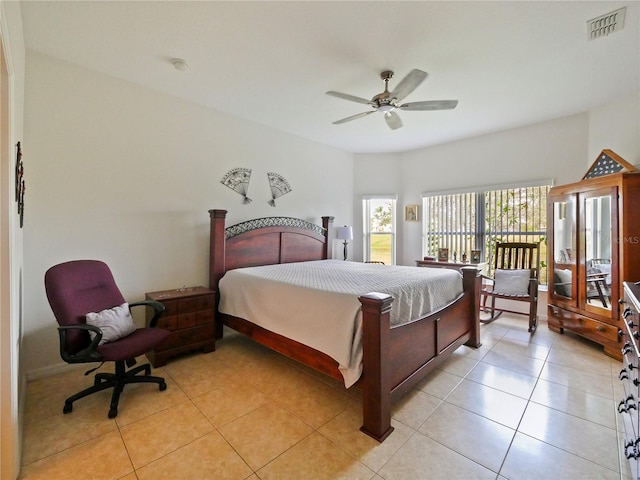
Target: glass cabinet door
(564, 248)
(599, 252)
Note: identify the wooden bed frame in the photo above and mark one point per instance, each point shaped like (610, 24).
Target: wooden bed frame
(394, 359)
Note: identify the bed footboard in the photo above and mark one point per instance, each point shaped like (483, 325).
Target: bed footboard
(396, 359)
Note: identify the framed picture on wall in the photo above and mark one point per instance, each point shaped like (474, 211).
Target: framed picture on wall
(411, 213)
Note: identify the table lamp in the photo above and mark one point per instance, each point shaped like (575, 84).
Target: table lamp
(345, 233)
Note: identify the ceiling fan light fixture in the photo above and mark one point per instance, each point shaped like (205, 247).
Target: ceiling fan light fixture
(386, 108)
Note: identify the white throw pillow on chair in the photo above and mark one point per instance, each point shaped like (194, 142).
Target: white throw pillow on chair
(511, 282)
(114, 322)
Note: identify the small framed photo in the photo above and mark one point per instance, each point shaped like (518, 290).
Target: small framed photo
(443, 254)
(411, 213)
(475, 256)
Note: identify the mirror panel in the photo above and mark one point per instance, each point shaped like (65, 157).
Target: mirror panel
(598, 253)
(564, 248)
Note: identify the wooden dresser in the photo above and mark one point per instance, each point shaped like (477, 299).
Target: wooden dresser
(628, 405)
(190, 316)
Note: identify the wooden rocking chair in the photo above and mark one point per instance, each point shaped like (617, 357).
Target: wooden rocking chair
(516, 268)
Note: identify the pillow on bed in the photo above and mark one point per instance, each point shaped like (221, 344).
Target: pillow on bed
(512, 282)
(114, 322)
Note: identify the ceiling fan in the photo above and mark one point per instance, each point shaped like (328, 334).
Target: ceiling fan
(388, 102)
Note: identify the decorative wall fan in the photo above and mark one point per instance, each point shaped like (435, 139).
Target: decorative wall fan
(388, 102)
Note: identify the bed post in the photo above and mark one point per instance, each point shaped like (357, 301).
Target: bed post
(376, 373)
(472, 282)
(216, 256)
(327, 224)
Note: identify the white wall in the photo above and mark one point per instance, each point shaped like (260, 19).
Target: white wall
(616, 126)
(551, 150)
(126, 175)
(11, 131)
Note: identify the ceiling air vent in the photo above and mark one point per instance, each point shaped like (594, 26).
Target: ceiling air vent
(605, 24)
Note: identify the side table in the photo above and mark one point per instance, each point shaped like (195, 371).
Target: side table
(189, 316)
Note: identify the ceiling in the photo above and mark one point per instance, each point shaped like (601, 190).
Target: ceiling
(509, 64)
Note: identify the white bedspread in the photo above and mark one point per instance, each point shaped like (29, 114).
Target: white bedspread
(316, 303)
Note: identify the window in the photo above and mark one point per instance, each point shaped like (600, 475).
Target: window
(379, 228)
(477, 220)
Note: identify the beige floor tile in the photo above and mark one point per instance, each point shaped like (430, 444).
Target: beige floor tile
(315, 402)
(197, 374)
(53, 434)
(502, 379)
(531, 459)
(575, 435)
(263, 434)
(439, 383)
(274, 376)
(344, 431)
(493, 404)
(509, 346)
(316, 458)
(209, 457)
(159, 434)
(542, 336)
(46, 396)
(579, 378)
(229, 402)
(414, 408)
(143, 399)
(516, 362)
(477, 438)
(458, 365)
(423, 458)
(598, 363)
(585, 405)
(101, 458)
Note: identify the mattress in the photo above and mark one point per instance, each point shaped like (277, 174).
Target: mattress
(316, 303)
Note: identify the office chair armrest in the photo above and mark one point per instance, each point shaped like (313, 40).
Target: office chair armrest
(157, 307)
(89, 354)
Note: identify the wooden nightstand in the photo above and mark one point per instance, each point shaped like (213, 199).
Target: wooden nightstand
(190, 317)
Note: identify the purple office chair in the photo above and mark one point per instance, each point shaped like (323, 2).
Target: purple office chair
(78, 287)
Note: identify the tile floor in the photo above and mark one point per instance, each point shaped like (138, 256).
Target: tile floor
(519, 407)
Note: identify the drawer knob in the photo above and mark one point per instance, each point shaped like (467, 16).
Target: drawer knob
(621, 407)
(630, 450)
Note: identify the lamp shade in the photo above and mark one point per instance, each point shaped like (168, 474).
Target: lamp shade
(345, 233)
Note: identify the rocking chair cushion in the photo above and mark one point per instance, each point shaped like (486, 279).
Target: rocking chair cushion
(511, 282)
(114, 322)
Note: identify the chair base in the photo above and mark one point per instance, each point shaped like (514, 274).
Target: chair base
(495, 313)
(117, 381)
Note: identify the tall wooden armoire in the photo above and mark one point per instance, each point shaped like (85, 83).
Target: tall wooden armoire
(593, 234)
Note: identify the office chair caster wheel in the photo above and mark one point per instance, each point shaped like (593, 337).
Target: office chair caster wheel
(68, 408)
(162, 387)
(113, 413)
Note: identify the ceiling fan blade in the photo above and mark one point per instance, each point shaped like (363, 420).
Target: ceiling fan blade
(393, 120)
(352, 98)
(353, 117)
(429, 105)
(408, 84)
